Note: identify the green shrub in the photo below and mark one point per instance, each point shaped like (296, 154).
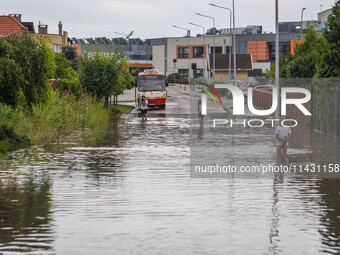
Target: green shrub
(71, 86)
(172, 78)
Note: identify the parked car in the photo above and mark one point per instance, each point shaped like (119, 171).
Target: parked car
(241, 84)
(253, 84)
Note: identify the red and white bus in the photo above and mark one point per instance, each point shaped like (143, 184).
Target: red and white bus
(152, 84)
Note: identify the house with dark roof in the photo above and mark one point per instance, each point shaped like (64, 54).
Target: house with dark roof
(244, 64)
(29, 26)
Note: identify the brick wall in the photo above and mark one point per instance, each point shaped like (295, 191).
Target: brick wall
(78, 46)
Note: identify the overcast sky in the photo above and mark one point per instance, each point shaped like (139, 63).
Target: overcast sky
(154, 19)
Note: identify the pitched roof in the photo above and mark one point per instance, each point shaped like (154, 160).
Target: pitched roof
(10, 25)
(243, 61)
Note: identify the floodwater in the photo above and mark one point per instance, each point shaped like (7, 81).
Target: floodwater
(129, 191)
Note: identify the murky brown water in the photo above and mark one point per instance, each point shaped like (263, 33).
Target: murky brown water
(128, 191)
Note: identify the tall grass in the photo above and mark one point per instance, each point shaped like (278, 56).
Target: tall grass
(60, 116)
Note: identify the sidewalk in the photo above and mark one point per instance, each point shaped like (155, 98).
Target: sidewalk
(127, 96)
(184, 89)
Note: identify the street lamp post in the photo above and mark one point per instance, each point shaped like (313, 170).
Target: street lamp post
(234, 42)
(213, 41)
(128, 41)
(189, 35)
(277, 63)
(230, 12)
(203, 45)
(224, 41)
(303, 9)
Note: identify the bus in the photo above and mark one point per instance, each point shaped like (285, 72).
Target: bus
(152, 84)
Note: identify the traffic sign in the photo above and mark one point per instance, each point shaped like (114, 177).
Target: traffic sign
(174, 60)
(232, 77)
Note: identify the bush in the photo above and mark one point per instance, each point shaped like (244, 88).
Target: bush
(70, 86)
(173, 77)
(64, 68)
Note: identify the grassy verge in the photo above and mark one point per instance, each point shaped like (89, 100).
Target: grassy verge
(60, 116)
(118, 110)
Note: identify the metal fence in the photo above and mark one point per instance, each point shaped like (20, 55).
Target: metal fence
(326, 109)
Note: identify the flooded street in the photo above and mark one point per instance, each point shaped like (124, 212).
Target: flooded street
(129, 191)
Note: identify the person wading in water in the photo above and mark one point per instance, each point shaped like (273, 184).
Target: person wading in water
(143, 104)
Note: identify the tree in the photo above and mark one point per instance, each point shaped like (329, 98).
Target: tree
(68, 78)
(25, 67)
(11, 80)
(306, 57)
(318, 56)
(71, 54)
(64, 68)
(104, 74)
(329, 65)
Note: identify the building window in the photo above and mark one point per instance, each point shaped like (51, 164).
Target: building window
(183, 52)
(198, 52)
(243, 48)
(218, 49)
(228, 49)
(57, 48)
(184, 72)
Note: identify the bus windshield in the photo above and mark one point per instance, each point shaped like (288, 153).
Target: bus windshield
(151, 83)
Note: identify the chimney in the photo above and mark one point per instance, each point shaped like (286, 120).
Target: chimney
(60, 25)
(16, 16)
(65, 39)
(42, 29)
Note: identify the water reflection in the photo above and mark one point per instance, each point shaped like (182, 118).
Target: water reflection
(330, 191)
(25, 220)
(128, 190)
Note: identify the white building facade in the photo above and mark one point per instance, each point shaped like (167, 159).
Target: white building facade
(188, 55)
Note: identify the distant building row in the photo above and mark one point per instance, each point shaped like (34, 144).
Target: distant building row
(191, 56)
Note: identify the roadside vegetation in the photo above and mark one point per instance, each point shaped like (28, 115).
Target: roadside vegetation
(177, 78)
(318, 56)
(31, 112)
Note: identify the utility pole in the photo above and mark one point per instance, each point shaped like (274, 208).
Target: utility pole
(277, 62)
